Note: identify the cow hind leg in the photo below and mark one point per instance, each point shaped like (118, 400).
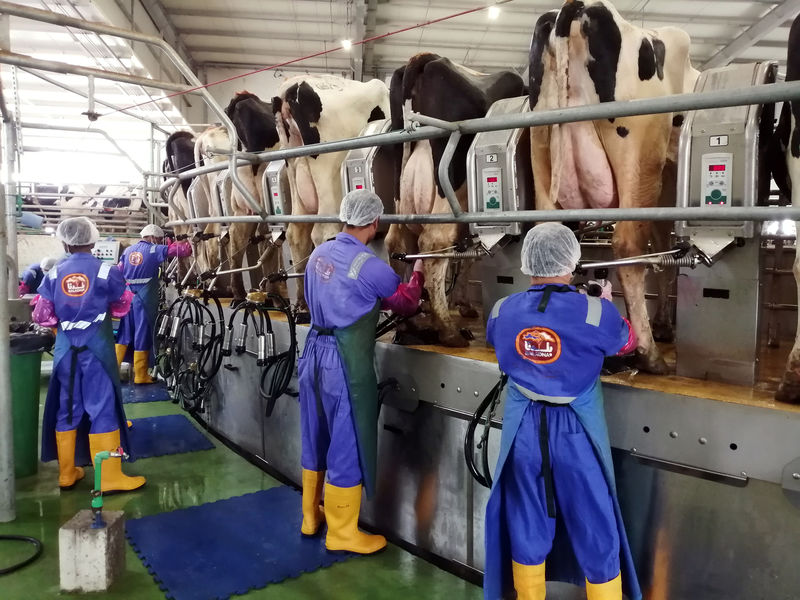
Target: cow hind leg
(663, 321)
(300, 246)
(630, 239)
(789, 389)
(435, 282)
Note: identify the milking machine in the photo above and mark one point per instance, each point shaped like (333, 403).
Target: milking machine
(189, 341)
(251, 320)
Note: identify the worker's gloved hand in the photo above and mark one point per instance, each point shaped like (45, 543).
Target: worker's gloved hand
(23, 289)
(121, 307)
(44, 313)
(179, 249)
(605, 288)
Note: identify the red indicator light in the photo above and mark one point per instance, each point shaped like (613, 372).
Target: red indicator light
(359, 187)
(491, 180)
(716, 167)
(275, 194)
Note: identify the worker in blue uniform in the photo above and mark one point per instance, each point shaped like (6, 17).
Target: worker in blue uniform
(32, 277)
(84, 402)
(140, 264)
(346, 286)
(554, 493)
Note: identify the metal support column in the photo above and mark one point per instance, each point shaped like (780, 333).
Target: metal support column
(7, 488)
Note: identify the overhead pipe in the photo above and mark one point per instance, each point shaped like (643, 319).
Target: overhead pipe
(54, 66)
(77, 92)
(45, 16)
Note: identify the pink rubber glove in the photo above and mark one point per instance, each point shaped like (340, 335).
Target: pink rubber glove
(630, 345)
(405, 301)
(121, 307)
(44, 313)
(23, 289)
(179, 249)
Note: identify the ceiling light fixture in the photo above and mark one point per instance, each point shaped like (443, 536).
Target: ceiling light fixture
(346, 44)
(493, 13)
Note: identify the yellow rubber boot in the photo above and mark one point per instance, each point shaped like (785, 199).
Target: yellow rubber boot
(121, 350)
(68, 473)
(528, 581)
(140, 364)
(112, 477)
(342, 506)
(611, 590)
(312, 496)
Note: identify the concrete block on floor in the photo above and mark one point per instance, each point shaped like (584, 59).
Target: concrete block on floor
(91, 559)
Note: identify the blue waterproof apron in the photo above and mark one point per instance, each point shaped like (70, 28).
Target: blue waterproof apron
(102, 347)
(561, 564)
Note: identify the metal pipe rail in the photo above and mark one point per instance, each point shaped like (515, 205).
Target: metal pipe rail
(761, 94)
(44, 16)
(756, 213)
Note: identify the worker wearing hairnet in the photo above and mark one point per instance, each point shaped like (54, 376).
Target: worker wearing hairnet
(32, 277)
(81, 294)
(139, 265)
(554, 478)
(346, 286)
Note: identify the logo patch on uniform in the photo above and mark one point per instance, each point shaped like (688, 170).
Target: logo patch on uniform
(324, 269)
(136, 258)
(75, 285)
(539, 345)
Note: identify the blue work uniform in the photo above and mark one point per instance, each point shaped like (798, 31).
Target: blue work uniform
(32, 277)
(554, 493)
(344, 283)
(140, 264)
(84, 387)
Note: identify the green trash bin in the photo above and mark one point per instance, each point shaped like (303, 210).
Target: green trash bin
(26, 372)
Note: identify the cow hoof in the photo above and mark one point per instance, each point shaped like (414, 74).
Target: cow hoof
(302, 318)
(453, 340)
(663, 332)
(654, 365)
(788, 392)
(467, 312)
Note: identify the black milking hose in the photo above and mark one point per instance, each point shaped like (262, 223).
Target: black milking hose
(22, 538)
(490, 403)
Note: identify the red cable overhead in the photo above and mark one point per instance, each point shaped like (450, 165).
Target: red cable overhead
(321, 53)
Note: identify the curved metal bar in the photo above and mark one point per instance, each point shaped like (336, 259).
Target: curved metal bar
(444, 172)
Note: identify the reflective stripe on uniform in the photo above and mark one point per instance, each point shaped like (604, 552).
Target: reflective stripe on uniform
(358, 262)
(138, 281)
(531, 395)
(105, 269)
(496, 308)
(68, 325)
(594, 311)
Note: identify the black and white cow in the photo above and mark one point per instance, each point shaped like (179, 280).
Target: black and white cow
(587, 53)
(179, 149)
(437, 87)
(321, 108)
(255, 128)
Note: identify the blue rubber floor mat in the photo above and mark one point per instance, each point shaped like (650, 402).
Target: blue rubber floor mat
(154, 392)
(216, 550)
(168, 434)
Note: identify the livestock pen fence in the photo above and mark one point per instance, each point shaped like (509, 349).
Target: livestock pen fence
(424, 128)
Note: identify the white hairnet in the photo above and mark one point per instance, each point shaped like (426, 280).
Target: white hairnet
(48, 263)
(153, 230)
(77, 231)
(549, 250)
(360, 208)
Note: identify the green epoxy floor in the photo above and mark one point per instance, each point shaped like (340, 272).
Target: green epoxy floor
(185, 480)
